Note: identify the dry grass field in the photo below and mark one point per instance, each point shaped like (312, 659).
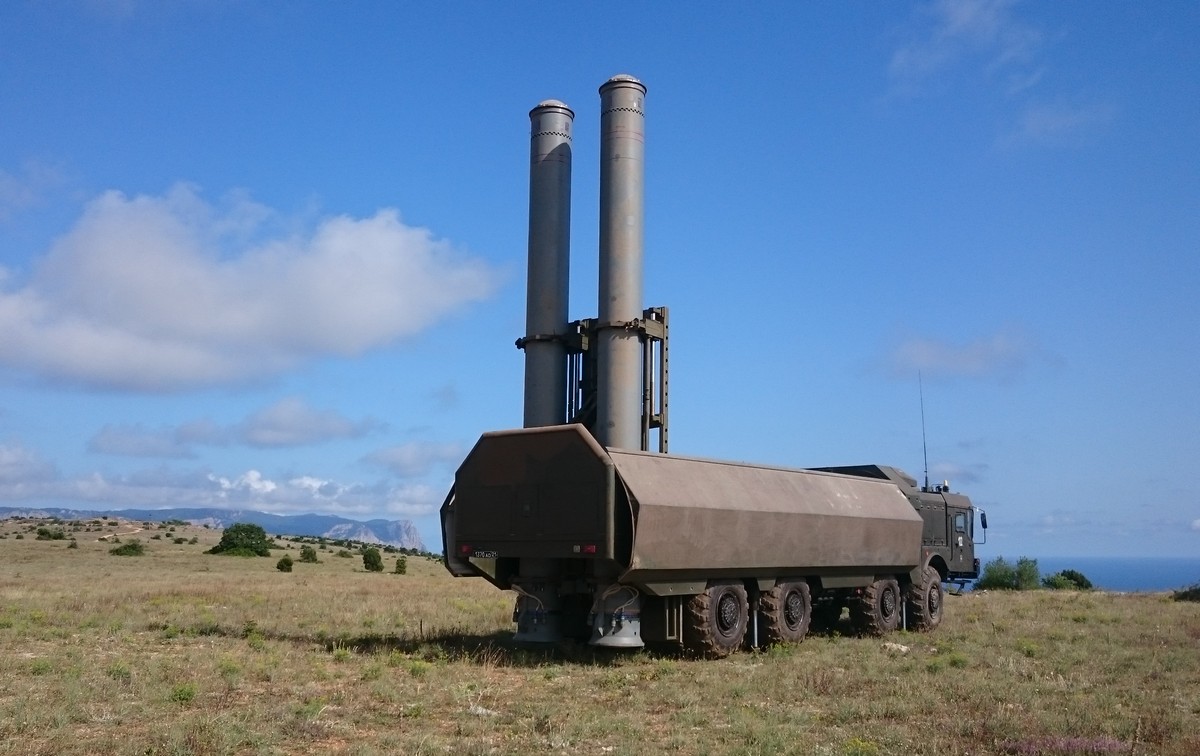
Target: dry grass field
(179, 652)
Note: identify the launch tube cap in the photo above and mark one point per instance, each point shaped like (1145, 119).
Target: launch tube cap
(553, 105)
(623, 80)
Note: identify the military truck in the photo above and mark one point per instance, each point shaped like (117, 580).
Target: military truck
(606, 541)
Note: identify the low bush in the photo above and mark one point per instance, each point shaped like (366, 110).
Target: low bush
(372, 560)
(401, 565)
(1000, 574)
(243, 539)
(50, 534)
(1067, 580)
(284, 564)
(308, 554)
(1191, 593)
(133, 547)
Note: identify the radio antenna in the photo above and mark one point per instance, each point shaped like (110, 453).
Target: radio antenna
(924, 447)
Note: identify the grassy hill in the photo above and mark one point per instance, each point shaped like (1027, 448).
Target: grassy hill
(179, 652)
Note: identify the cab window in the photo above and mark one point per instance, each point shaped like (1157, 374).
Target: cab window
(960, 522)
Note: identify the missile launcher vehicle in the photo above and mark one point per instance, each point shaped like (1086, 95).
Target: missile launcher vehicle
(606, 541)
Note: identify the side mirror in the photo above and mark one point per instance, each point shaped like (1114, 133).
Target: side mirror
(983, 519)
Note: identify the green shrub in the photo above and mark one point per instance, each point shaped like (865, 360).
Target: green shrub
(243, 539)
(344, 553)
(183, 693)
(50, 534)
(372, 560)
(1000, 574)
(284, 565)
(1067, 580)
(401, 565)
(1191, 593)
(132, 548)
(308, 554)
(1027, 574)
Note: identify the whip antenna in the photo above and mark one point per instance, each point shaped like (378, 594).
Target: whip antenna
(924, 447)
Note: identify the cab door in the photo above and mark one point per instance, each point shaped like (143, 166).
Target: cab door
(962, 542)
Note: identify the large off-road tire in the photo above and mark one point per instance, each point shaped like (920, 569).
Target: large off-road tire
(925, 601)
(714, 622)
(877, 610)
(786, 611)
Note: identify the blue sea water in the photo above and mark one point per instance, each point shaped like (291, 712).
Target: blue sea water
(1127, 573)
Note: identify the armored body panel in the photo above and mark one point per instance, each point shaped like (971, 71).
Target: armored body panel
(667, 523)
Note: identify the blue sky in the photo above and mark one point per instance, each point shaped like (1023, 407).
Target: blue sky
(271, 255)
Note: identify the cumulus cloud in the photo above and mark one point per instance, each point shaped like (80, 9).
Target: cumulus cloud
(415, 459)
(1001, 356)
(153, 293)
(288, 422)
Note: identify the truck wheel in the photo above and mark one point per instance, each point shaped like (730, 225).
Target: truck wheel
(786, 611)
(877, 610)
(925, 601)
(714, 624)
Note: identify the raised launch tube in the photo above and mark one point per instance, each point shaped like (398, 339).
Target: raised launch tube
(549, 264)
(538, 605)
(622, 217)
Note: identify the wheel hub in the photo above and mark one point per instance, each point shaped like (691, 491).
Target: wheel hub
(727, 614)
(887, 603)
(793, 610)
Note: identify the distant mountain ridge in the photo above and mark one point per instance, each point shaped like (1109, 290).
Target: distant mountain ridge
(399, 533)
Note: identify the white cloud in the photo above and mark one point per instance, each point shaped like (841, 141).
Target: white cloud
(20, 466)
(1057, 521)
(25, 479)
(415, 459)
(950, 32)
(137, 441)
(26, 188)
(251, 481)
(1002, 356)
(291, 422)
(305, 493)
(288, 422)
(1057, 122)
(167, 293)
(1196, 525)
